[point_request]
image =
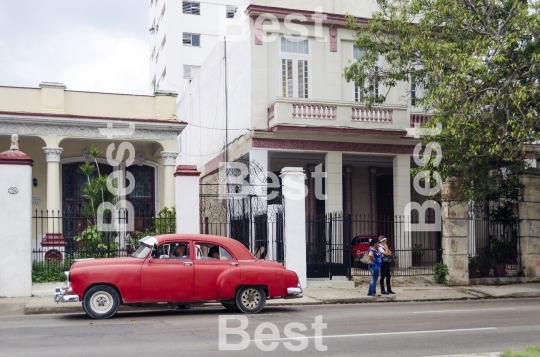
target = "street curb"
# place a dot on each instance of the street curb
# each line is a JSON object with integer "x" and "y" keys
{"x": 78, "y": 308}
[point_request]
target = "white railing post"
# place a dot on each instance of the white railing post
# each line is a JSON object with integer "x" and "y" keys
{"x": 294, "y": 193}
{"x": 187, "y": 199}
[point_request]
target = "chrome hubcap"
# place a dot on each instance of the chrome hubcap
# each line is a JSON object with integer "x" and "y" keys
{"x": 101, "y": 302}
{"x": 251, "y": 298}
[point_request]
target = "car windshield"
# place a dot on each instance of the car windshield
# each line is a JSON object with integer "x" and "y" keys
{"x": 142, "y": 252}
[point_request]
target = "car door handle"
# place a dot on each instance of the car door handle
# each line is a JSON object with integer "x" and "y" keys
{"x": 234, "y": 264}
{"x": 188, "y": 264}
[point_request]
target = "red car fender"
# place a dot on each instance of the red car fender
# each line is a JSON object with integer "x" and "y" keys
{"x": 125, "y": 278}
{"x": 227, "y": 282}
{"x": 264, "y": 277}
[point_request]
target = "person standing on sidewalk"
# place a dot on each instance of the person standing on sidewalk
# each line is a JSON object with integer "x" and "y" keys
{"x": 375, "y": 266}
{"x": 385, "y": 267}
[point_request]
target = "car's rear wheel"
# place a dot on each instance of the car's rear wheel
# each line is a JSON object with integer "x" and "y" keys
{"x": 250, "y": 299}
{"x": 230, "y": 306}
{"x": 101, "y": 302}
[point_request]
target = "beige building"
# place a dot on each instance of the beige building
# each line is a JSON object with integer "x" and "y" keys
{"x": 56, "y": 127}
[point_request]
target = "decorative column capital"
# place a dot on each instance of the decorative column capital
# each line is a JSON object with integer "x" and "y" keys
{"x": 53, "y": 154}
{"x": 169, "y": 158}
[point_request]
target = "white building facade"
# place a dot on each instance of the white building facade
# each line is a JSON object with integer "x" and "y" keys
{"x": 182, "y": 35}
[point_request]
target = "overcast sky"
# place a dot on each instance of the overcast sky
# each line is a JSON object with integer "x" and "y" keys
{"x": 92, "y": 45}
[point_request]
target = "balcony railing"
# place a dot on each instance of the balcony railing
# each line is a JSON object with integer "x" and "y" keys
{"x": 309, "y": 111}
{"x": 417, "y": 120}
{"x": 289, "y": 111}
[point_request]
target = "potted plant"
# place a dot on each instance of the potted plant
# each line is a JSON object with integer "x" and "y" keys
{"x": 417, "y": 253}
{"x": 474, "y": 264}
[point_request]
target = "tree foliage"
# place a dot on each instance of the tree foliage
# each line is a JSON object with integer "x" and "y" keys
{"x": 477, "y": 62}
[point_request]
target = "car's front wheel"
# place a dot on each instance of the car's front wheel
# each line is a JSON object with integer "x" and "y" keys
{"x": 250, "y": 299}
{"x": 101, "y": 302}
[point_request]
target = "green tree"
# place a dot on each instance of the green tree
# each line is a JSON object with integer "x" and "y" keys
{"x": 95, "y": 190}
{"x": 477, "y": 62}
{"x": 94, "y": 242}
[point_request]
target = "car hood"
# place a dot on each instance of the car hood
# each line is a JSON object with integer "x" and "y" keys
{"x": 106, "y": 261}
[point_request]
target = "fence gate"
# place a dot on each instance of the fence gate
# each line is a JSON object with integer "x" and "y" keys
{"x": 328, "y": 248}
{"x": 494, "y": 240}
{"x": 250, "y": 212}
{"x": 336, "y": 243}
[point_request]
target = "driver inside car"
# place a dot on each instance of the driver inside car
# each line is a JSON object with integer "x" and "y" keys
{"x": 181, "y": 251}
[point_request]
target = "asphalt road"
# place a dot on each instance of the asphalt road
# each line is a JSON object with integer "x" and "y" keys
{"x": 385, "y": 329}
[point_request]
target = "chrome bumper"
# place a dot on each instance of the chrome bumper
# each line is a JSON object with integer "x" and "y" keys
{"x": 294, "y": 293}
{"x": 59, "y": 297}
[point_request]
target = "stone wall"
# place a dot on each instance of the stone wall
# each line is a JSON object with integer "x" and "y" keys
{"x": 529, "y": 224}
{"x": 455, "y": 243}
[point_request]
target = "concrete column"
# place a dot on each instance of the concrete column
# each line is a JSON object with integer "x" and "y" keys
{"x": 334, "y": 181}
{"x": 455, "y": 241}
{"x": 53, "y": 179}
{"x": 529, "y": 225}
{"x": 187, "y": 199}
{"x": 16, "y": 222}
{"x": 402, "y": 196}
{"x": 169, "y": 165}
{"x": 402, "y": 184}
{"x": 294, "y": 191}
{"x": 53, "y": 237}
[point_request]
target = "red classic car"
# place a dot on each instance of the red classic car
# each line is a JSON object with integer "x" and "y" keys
{"x": 360, "y": 245}
{"x": 180, "y": 269}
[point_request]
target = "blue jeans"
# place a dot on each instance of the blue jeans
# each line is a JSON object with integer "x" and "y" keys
{"x": 375, "y": 276}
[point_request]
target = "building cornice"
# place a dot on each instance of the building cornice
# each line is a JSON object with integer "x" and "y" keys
{"x": 334, "y": 19}
{"x": 88, "y": 127}
{"x": 58, "y": 118}
{"x": 336, "y": 130}
{"x": 307, "y": 145}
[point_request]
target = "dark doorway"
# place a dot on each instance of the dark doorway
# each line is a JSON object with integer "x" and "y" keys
{"x": 385, "y": 205}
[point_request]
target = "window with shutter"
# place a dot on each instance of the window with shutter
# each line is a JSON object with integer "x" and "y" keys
{"x": 191, "y": 39}
{"x": 295, "y": 68}
{"x": 359, "y": 92}
{"x": 192, "y": 8}
{"x": 190, "y": 71}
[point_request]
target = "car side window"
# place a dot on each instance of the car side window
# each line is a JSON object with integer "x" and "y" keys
{"x": 176, "y": 250}
{"x": 208, "y": 251}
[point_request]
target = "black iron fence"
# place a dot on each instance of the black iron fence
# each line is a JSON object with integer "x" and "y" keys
{"x": 494, "y": 241}
{"x": 261, "y": 234}
{"x": 60, "y": 238}
{"x": 328, "y": 246}
{"x": 336, "y": 243}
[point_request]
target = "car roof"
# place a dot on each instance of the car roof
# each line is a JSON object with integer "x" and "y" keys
{"x": 365, "y": 237}
{"x": 237, "y": 248}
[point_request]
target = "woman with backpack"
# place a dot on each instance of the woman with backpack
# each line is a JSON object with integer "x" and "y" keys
{"x": 375, "y": 266}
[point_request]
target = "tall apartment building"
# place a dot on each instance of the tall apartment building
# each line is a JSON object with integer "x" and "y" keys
{"x": 182, "y": 35}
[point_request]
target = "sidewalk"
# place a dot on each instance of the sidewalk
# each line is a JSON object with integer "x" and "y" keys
{"x": 409, "y": 289}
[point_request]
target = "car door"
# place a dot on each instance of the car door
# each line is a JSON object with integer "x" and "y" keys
{"x": 208, "y": 269}
{"x": 166, "y": 279}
